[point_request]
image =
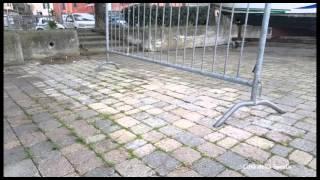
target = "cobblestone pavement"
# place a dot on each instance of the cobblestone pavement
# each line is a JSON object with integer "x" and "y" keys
{"x": 149, "y": 120}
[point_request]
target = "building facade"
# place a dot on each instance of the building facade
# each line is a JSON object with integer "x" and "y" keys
{"x": 8, "y": 9}
{"x": 17, "y": 9}
{"x": 23, "y": 8}
{"x": 43, "y": 9}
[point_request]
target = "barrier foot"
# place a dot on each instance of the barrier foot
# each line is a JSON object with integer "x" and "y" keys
{"x": 246, "y": 103}
{"x": 106, "y": 63}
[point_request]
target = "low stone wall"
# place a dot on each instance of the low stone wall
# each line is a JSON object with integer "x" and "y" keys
{"x": 43, "y": 44}
{"x": 172, "y": 39}
{"x": 39, "y": 44}
{"x": 12, "y": 54}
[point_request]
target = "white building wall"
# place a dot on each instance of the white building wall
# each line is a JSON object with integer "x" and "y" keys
{"x": 38, "y": 7}
{"x": 7, "y": 6}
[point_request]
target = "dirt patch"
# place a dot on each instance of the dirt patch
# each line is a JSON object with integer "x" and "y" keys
{"x": 62, "y": 59}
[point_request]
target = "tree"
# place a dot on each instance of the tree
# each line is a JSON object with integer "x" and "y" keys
{"x": 99, "y": 9}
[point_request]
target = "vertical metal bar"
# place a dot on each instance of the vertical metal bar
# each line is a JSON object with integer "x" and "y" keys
{"x": 229, "y": 38}
{"x": 138, "y": 27}
{"x": 107, "y": 32}
{"x": 119, "y": 26}
{"x": 217, "y": 34}
{"x": 185, "y": 36}
{"x": 133, "y": 22}
{"x": 128, "y": 45}
{"x": 115, "y": 35}
{"x": 262, "y": 44}
{"x": 155, "y": 30}
{"x": 205, "y": 37}
{"x": 163, "y": 13}
{"x": 110, "y": 26}
{"x": 150, "y": 17}
{"x": 170, "y": 21}
{"x": 243, "y": 38}
{"x": 177, "y": 34}
{"x": 144, "y": 21}
{"x": 123, "y": 27}
{"x": 194, "y": 35}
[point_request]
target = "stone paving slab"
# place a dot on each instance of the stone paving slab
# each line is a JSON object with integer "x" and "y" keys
{"x": 24, "y": 168}
{"x": 149, "y": 120}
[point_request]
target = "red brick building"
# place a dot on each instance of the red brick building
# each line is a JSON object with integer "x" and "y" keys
{"x": 118, "y": 6}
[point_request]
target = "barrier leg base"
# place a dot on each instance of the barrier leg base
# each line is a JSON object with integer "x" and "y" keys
{"x": 106, "y": 63}
{"x": 246, "y": 103}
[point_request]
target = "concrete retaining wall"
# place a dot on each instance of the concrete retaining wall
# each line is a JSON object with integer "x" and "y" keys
{"x": 12, "y": 49}
{"x": 40, "y": 44}
{"x": 43, "y": 44}
{"x": 152, "y": 41}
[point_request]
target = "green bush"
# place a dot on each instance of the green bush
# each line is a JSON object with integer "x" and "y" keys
{"x": 203, "y": 10}
{"x": 52, "y": 24}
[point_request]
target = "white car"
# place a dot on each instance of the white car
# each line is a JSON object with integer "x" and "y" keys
{"x": 43, "y": 24}
{"x": 80, "y": 21}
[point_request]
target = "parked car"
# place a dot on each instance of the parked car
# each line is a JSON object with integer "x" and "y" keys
{"x": 43, "y": 24}
{"x": 117, "y": 21}
{"x": 7, "y": 20}
{"x": 80, "y": 21}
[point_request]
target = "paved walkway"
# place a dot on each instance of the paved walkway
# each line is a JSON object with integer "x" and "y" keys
{"x": 148, "y": 120}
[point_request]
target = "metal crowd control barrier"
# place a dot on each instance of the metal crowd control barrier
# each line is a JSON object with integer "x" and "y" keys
{"x": 108, "y": 62}
{"x": 131, "y": 42}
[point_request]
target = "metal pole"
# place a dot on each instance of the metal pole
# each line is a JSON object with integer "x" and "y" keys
{"x": 123, "y": 30}
{"x": 107, "y": 42}
{"x": 119, "y": 28}
{"x": 107, "y": 30}
{"x": 138, "y": 27}
{"x": 205, "y": 37}
{"x": 155, "y": 31}
{"x": 170, "y": 21}
{"x": 217, "y": 34}
{"x": 235, "y": 107}
{"x": 194, "y": 35}
{"x": 149, "y": 28}
{"x": 229, "y": 39}
{"x": 262, "y": 44}
{"x": 144, "y": 21}
{"x": 163, "y": 14}
{"x": 133, "y": 23}
{"x": 185, "y": 36}
{"x": 115, "y": 32}
{"x": 128, "y": 50}
{"x": 257, "y": 73}
{"x": 177, "y": 35}
{"x": 243, "y": 38}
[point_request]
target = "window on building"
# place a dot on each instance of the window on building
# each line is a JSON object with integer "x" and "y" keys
{"x": 63, "y": 6}
{"x": 74, "y": 4}
{"x": 46, "y": 5}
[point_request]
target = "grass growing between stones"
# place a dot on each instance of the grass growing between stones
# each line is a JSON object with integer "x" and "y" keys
{"x": 139, "y": 136}
{"x": 29, "y": 153}
{"x": 55, "y": 146}
{"x": 106, "y": 116}
{"x": 131, "y": 154}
